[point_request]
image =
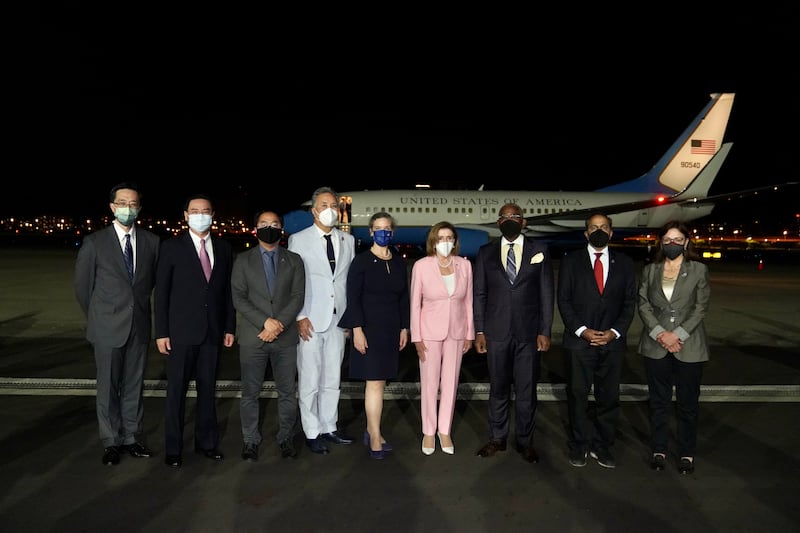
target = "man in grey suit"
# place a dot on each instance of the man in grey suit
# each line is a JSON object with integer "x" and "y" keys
{"x": 113, "y": 281}
{"x": 513, "y": 309}
{"x": 327, "y": 253}
{"x": 268, "y": 285}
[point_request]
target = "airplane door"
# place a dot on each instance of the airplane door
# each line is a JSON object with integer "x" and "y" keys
{"x": 486, "y": 213}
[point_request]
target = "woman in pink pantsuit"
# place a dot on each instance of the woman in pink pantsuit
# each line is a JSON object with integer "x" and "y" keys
{"x": 441, "y": 330}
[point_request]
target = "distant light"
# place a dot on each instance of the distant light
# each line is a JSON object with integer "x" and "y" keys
{"x": 422, "y": 186}
{"x": 661, "y": 199}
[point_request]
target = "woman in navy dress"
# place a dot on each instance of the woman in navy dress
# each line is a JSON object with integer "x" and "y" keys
{"x": 378, "y": 313}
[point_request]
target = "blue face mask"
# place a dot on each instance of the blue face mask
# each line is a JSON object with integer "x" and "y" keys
{"x": 382, "y": 237}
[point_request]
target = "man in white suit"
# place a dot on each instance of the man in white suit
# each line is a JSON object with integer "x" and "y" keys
{"x": 327, "y": 253}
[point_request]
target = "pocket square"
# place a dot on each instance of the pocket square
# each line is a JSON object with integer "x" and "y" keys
{"x": 538, "y": 258}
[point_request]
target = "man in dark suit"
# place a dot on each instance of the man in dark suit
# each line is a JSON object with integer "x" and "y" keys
{"x": 113, "y": 282}
{"x": 513, "y": 308}
{"x": 269, "y": 286}
{"x": 194, "y": 318}
{"x": 597, "y": 302}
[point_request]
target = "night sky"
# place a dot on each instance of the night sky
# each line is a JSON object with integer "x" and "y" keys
{"x": 243, "y": 105}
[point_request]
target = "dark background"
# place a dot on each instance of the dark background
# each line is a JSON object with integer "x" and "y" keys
{"x": 258, "y": 108}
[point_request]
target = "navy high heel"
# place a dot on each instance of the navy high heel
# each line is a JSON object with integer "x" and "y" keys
{"x": 385, "y": 446}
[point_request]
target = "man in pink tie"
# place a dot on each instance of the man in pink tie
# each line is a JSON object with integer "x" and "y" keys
{"x": 597, "y": 302}
{"x": 194, "y": 319}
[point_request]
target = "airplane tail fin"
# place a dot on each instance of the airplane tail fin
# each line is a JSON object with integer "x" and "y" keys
{"x": 679, "y": 167}
{"x": 700, "y": 186}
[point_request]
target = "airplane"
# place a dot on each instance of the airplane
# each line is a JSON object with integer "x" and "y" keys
{"x": 675, "y": 188}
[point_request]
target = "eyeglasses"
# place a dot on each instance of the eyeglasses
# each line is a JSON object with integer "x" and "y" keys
{"x": 510, "y": 217}
{"x": 677, "y": 240}
{"x": 446, "y": 239}
{"x": 132, "y": 205}
{"x": 273, "y": 225}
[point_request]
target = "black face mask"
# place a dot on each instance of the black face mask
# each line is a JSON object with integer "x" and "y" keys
{"x": 510, "y": 229}
{"x": 269, "y": 235}
{"x": 598, "y": 238}
{"x": 673, "y": 250}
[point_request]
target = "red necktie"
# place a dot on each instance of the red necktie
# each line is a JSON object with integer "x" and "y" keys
{"x": 598, "y": 271}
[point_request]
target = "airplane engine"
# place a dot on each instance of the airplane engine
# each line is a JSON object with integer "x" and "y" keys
{"x": 297, "y": 220}
{"x": 470, "y": 240}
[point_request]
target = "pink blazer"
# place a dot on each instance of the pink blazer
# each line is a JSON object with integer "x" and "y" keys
{"x": 435, "y": 315}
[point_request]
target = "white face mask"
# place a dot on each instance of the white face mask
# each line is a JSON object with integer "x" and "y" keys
{"x": 444, "y": 248}
{"x": 200, "y": 222}
{"x": 329, "y": 217}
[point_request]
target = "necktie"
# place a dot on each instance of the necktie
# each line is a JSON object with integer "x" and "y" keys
{"x": 128, "y": 255}
{"x": 331, "y": 256}
{"x": 511, "y": 263}
{"x": 204, "y": 259}
{"x": 598, "y": 271}
{"x": 269, "y": 269}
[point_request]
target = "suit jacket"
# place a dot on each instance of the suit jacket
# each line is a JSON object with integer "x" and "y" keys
{"x": 523, "y": 310}
{"x": 189, "y": 308}
{"x": 688, "y": 306}
{"x": 435, "y": 315}
{"x": 324, "y": 291}
{"x": 581, "y": 304}
{"x": 255, "y": 302}
{"x": 112, "y": 304}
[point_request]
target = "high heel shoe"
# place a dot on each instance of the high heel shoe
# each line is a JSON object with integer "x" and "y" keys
{"x": 425, "y": 449}
{"x": 449, "y": 450}
{"x": 658, "y": 461}
{"x": 385, "y": 446}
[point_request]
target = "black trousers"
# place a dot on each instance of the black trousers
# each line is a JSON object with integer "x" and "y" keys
{"x": 518, "y": 363}
{"x": 184, "y": 363}
{"x": 662, "y": 375}
{"x": 593, "y": 426}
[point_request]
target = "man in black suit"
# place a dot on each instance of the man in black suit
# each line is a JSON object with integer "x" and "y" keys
{"x": 113, "y": 282}
{"x": 269, "y": 287}
{"x": 194, "y": 317}
{"x": 597, "y": 302}
{"x": 513, "y": 307}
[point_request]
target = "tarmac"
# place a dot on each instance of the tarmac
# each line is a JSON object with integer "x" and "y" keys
{"x": 747, "y": 468}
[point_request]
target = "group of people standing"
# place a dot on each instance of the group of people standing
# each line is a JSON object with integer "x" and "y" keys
{"x": 296, "y": 307}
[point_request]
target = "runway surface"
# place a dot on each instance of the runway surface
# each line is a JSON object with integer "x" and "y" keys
{"x": 747, "y": 473}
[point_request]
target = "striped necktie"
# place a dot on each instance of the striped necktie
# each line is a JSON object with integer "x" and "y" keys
{"x": 511, "y": 263}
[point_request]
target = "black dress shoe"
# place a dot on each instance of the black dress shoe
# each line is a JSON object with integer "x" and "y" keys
{"x": 287, "y": 449}
{"x": 137, "y": 450}
{"x": 529, "y": 454}
{"x": 685, "y": 465}
{"x": 491, "y": 448}
{"x": 213, "y": 453}
{"x": 250, "y": 452}
{"x": 317, "y": 446}
{"x": 337, "y": 437}
{"x": 658, "y": 462}
{"x": 173, "y": 461}
{"x": 111, "y": 456}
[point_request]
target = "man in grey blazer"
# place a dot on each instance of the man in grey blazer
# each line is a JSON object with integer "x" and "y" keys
{"x": 268, "y": 285}
{"x": 113, "y": 283}
{"x": 321, "y": 349}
